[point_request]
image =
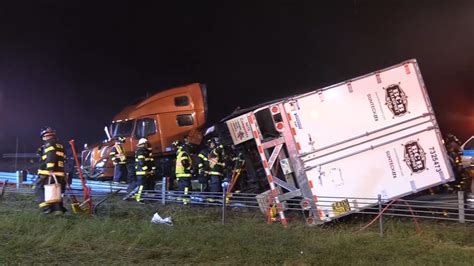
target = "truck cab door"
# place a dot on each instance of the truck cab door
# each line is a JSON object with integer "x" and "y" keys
{"x": 147, "y": 127}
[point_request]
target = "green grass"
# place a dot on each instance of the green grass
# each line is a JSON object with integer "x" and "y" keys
{"x": 122, "y": 234}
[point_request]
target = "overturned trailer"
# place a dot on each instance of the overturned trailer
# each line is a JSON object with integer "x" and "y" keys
{"x": 337, "y": 149}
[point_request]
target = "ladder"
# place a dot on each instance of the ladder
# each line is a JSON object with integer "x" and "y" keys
{"x": 284, "y": 149}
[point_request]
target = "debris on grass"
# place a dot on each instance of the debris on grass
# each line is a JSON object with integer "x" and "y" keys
{"x": 157, "y": 219}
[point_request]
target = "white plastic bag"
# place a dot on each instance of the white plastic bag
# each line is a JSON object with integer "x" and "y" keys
{"x": 156, "y": 219}
{"x": 52, "y": 192}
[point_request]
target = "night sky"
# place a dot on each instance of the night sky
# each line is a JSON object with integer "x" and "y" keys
{"x": 74, "y": 64}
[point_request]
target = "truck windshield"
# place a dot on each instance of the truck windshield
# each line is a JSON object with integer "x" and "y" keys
{"x": 122, "y": 129}
{"x": 469, "y": 145}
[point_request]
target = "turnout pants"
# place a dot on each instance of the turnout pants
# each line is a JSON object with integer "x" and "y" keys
{"x": 184, "y": 182}
{"x": 203, "y": 182}
{"x": 120, "y": 172}
{"x": 130, "y": 176}
{"x": 144, "y": 182}
{"x": 215, "y": 183}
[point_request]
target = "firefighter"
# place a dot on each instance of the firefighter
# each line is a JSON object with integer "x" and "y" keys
{"x": 183, "y": 168}
{"x": 452, "y": 142}
{"x": 203, "y": 169}
{"x": 462, "y": 179}
{"x": 216, "y": 164}
{"x": 453, "y": 147}
{"x": 52, "y": 163}
{"x": 144, "y": 167}
{"x": 85, "y": 154}
{"x": 69, "y": 167}
{"x": 117, "y": 155}
{"x": 238, "y": 162}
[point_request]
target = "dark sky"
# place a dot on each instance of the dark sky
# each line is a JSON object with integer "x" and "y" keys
{"x": 74, "y": 64}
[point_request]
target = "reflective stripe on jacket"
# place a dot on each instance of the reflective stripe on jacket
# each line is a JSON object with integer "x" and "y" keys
{"x": 117, "y": 154}
{"x": 52, "y": 158}
{"x": 144, "y": 162}
{"x": 183, "y": 164}
{"x": 216, "y": 162}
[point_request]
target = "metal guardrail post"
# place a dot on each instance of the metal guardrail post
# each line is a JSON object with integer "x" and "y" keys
{"x": 18, "y": 178}
{"x": 381, "y": 215}
{"x": 461, "y": 212}
{"x": 2, "y": 191}
{"x": 16, "y": 155}
{"x": 163, "y": 190}
{"x": 224, "y": 203}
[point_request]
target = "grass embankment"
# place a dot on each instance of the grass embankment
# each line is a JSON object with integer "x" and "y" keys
{"x": 122, "y": 234}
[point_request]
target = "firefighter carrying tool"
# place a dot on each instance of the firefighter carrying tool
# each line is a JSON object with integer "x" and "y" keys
{"x": 52, "y": 164}
{"x": 203, "y": 169}
{"x": 239, "y": 165}
{"x": 216, "y": 164}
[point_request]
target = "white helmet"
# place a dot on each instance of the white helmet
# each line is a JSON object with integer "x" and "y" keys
{"x": 142, "y": 141}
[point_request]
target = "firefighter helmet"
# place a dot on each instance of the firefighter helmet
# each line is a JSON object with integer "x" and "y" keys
{"x": 214, "y": 141}
{"x": 47, "y": 131}
{"x": 142, "y": 141}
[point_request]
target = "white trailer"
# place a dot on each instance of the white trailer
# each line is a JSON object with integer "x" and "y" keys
{"x": 340, "y": 148}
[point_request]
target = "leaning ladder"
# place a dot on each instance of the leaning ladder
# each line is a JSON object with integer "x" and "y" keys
{"x": 267, "y": 167}
{"x": 296, "y": 185}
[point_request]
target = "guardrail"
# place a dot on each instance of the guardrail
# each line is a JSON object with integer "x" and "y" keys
{"x": 20, "y": 155}
{"x": 444, "y": 207}
{"x": 457, "y": 207}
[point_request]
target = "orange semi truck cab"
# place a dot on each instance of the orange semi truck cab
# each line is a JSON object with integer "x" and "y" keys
{"x": 161, "y": 118}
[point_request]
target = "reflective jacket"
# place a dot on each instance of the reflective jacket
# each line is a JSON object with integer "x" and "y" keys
{"x": 117, "y": 154}
{"x": 52, "y": 158}
{"x": 216, "y": 161}
{"x": 203, "y": 165}
{"x": 144, "y": 162}
{"x": 183, "y": 164}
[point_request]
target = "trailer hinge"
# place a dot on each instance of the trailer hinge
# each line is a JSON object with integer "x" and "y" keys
{"x": 349, "y": 87}
{"x": 377, "y": 76}
{"x": 321, "y": 96}
{"x": 407, "y": 69}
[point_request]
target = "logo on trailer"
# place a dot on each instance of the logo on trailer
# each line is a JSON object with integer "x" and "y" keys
{"x": 396, "y": 100}
{"x": 415, "y": 157}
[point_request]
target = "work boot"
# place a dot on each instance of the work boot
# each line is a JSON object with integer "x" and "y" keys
{"x": 129, "y": 196}
{"x": 185, "y": 201}
{"x": 58, "y": 213}
{"x": 211, "y": 200}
